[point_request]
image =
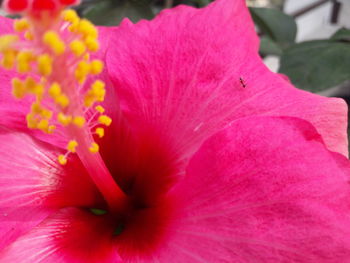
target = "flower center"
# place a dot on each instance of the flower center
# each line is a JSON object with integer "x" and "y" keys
{"x": 51, "y": 52}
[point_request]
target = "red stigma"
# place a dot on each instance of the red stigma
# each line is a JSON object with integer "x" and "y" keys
{"x": 69, "y": 2}
{"x": 40, "y": 5}
{"x": 16, "y": 5}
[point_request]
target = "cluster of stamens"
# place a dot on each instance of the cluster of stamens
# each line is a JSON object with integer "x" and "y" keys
{"x": 51, "y": 52}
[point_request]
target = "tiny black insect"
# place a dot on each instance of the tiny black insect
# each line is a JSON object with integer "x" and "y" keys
{"x": 241, "y": 80}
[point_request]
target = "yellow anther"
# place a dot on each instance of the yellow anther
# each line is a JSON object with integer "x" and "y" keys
{"x": 31, "y": 121}
{"x": 70, "y": 16}
{"x": 64, "y": 119}
{"x": 28, "y": 35}
{"x": 43, "y": 125}
{"x": 53, "y": 40}
{"x": 100, "y": 132}
{"x": 62, "y": 159}
{"x": 79, "y": 121}
{"x": 78, "y": 47}
{"x": 74, "y": 26}
{"x": 87, "y": 29}
{"x": 51, "y": 129}
{"x": 36, "y": 108}
{"x": 92, "y": 44}
{"x": 38, "y": 91}
{"x": 72, "y": 145}
{"x": 44, "y": 64}
{"x": 82, "y": 71}
{"x": 98, "y": 90}
{"x": 55, "y": 90}
{"x": 47, "y": 114}
{"x": 88, "y": 101}
{"x": 18, "y": 88}
{"x": 8, "y": 59}
{"x": 86, "y": 57}
{"x": 94, "y": 148}
{"x": 105, "y": 120}
{"x": 25, "y": 56}
{"x": 100, "y": 109}
{"x": 21, "y": 25}
{"x": 30, "y": 84}
{"x": 62, "y": 100}
{"x": 96, "y": 67}
{"x": 23, "y": 61}
{"x": 6, "y": 42}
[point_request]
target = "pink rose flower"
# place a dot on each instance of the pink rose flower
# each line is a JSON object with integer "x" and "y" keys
{"x": 210, "y": 156}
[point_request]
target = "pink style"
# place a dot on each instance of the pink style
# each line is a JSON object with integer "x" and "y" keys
{"x": 193, "y": 168}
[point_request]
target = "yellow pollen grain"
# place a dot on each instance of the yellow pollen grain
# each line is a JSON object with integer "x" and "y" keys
{"x": 77, "y": 47}
{"x": 98, "y": 90}
{"x": 36, "y": 108}
{"x": 9, "y": 59}
{"x": 92, "y": 44}
{"x": 87, "y": 29}
{"x": 72, "y": 145}
{"x": 47, "y": 114}
{"x": 79, "y": 121}
{"x": 62, "y": 159}
{"x": 105, "y": 120}
{"x": 96, "y": 67}
{"x": 100, "y": 132}
{"x": 21, "y": 25}
{"x": 18, "y": 88}
{"x": 30, "y": 84}
{"x": 28, "y": 35}
{"x": 70, "y": 16}
{"x": 82, "y": 71}
{"x": 24, "y": 59}
{"x": 55, "y": 90}
{"x": 88, "y": 101}
{"x": 62, "y": 100}
{"x": 64, "y": 119}
{"x": 7, "y": 41}
{"x": 53, "y": 40}
{"x": 43, "y": 125}
{"x": 100, "y": 109}
{"x": 51, "y": 129}
{"x": 45, "y": 64}
{"x": 31, "y": 121}
{"x": 94, "y": 148}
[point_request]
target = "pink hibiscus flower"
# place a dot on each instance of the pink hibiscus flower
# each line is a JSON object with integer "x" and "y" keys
{"x": 195, "y": 167}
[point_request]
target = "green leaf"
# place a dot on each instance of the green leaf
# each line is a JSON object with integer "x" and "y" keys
{"x": 342, "y": 34}
{"x": 317, "y": 65}
{"x": 269, "y": 47}
{"x": 113, "y": 12}
{"x": 280, "y": 27}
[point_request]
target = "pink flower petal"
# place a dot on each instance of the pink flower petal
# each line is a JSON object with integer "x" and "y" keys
{"x": 180, "y": 76}
{"x": 71, "y": 235}
{"x": 33, "y": 184}
{"x": 263, "y": 190}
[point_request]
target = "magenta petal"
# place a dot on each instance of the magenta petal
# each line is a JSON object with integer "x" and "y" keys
{"x": 33, "y": 184}
{"x": 71, "y": 235}
{"x": 263, "y": 190}
{"x": 180, "y": 74}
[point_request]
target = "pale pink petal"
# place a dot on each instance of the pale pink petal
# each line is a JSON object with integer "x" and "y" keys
{"x": 71, "y": 235}
{"x": 33, "y": 184}
{"x": 180, "y": 76}
{"x": 263, "y": 190}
